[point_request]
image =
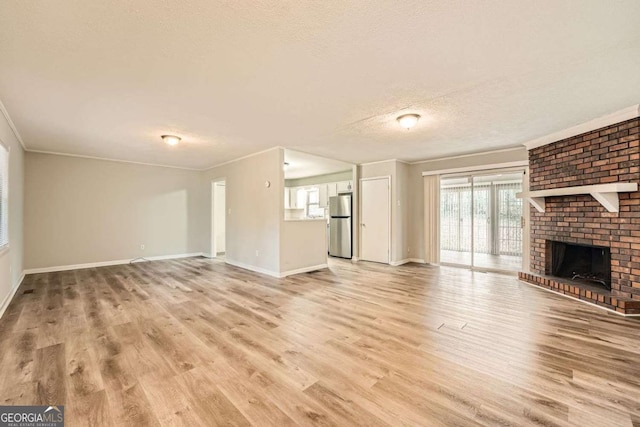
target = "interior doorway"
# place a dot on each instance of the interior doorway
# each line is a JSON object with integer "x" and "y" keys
{"x": 218, "y": 218}
{"x": 375, "y": 219}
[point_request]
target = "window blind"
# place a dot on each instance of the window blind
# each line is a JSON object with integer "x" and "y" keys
{"x": 4, "y": 196}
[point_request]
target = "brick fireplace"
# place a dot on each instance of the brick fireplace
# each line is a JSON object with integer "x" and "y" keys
{"x": 607, "y": 155}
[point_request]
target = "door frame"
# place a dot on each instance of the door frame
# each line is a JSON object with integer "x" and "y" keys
{"x": 213, "y": 245}
{"x": 525, "y": 214}
{"x": 360, "y": 246}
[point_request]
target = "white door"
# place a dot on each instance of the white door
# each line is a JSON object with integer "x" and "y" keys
{"x": 218, "y": 219}
{"x": 375, "y": 220}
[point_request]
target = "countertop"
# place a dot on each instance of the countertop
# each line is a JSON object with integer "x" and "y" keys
{"x": 306, "y": 220}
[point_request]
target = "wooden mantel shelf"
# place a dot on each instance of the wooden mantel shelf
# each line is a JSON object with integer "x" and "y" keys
{"x": 606, "y": 194}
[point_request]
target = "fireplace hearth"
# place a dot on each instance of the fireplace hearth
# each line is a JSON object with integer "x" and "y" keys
{"x": 582, "y": 263}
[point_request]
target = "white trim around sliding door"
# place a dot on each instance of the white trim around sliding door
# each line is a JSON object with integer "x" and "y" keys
{"x": 472, "y": 170}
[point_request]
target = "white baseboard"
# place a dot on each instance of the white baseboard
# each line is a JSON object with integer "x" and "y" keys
{"x": 590, "y": 304}
{"x": 252, "y": 268}
{"x": 406, "y": 261}
{"x": 9, "y": 297}
{"x": 303, "y": 270}
{"x": 106, "y": 263}
{"x": 274, "y": 273}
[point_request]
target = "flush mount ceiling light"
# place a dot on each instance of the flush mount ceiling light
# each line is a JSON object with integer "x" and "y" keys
{"x": 408, "y": 121}
{"x": 171, "y": 139}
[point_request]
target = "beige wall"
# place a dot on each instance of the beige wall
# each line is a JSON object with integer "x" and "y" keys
{"x": 415, "y": 186}
{"x": 80, "y": 210}
{"x": 254, "y": 211}
{"x": 303, "y": 245}
{"x": 11, "y": 259}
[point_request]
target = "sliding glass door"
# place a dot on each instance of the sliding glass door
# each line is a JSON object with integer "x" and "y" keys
{"x": 455, "y": 221}
{"x": 481, "y": 221}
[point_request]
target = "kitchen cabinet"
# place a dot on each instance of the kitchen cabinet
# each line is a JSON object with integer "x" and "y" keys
{"x": 294, "y": 198}
{"x": 301, "y": 198}
{"x": 323, "y": 192}
{"x": 332, "y": 189}
{"x": 287, "y": 197}
{"x": 344, "y": 187}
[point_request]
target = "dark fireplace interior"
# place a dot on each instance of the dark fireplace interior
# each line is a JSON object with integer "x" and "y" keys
{"x": 588, "y": 264}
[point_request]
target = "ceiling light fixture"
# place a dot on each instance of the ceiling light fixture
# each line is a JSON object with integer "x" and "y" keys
{"x": 171, "y": 139}
{"x": 408, "y": 121}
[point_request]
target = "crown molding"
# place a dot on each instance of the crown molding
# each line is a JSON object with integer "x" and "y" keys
{"x": 607, "y": 120}
{"x": 5, "y": 113}
{"x": 384, "y": 161}
{"x": 460, "y": 156}
{"x": 106, "y": 159}
{"x": 243, "y": 157}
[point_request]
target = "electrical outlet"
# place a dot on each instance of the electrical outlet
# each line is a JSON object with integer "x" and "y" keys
{"x": 142, "y": 247}
{"x": 408, "y": 250}
{"x": 257, "y": 253}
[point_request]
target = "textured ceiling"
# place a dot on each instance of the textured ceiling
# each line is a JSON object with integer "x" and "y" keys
{"x": 329, "y": 77}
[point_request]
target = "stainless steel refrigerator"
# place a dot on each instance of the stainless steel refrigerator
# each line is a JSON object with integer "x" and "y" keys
{"x": 340, "y": 226}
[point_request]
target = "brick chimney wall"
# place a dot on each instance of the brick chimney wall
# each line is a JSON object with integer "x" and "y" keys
{"x": 606, "y": 155}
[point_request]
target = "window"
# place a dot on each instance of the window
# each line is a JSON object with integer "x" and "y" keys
{"x": 4, "y": 196}
{"x": 313, "y": 204}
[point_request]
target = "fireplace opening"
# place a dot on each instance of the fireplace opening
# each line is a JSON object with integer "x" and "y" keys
{"x": 588, "y": 264}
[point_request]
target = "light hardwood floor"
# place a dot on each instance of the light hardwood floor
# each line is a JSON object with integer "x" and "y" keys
{"x": 198, "y": 342}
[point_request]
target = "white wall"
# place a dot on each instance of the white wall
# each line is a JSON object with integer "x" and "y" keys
{"x": 254, "y": 211}
{"x": 219, "y": 216}
{"x": 80, "y": 210}
{"x": 415, "y": 214}
{"x": 11, "y": 259}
